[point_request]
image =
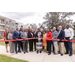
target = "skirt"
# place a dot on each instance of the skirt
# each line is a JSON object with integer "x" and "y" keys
{"x": 6, "y": 42}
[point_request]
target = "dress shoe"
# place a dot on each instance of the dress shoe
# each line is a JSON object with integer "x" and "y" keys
{"x": 11, "y": 52}
{"x": 19, "y": 51}
{"x": 40, "y": 51}
{"x": 70, "y": 54}
{"x": 24, "y": 52}
{"x": 49, "y": 53}
{"x": 37, "y": 52}
{"x": 27, "y": 51}
{"x": 55, "y": 53}
{"x": 66, "y": 53}
{"x": 61, "y": 54}
{"x": 16, "y": 52}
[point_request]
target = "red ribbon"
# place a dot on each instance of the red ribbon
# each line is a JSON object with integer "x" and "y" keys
{"x": 34, "y": 38}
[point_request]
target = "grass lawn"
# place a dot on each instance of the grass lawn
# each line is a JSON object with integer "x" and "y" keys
{"x": 4, "y": 58}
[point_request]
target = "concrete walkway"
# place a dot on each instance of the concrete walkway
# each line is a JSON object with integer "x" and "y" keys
{"x": 34, "y": 57}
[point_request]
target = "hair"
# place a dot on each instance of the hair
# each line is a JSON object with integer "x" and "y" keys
{"x": 30, "y": 30}
{"x": 44, "y": 31}
{"x": 20, "y": 29}
{"x": 54, "y": 27}
{"x": 60, "y": 26}
{"x": 27, "y": 29}
{"x": 38, "y": 29}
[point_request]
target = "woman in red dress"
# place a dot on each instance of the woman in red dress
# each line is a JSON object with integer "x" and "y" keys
{"x": 49, "y": 36}
{"x": 5, "y": 35}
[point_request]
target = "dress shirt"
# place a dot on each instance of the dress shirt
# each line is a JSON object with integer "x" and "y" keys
{"x": 25, "y": 34}
{"x": 55, "y": 34}
{"x": 69, "y": 33}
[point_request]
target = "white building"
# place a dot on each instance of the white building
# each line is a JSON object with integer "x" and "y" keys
{"x": 8, "y": 23}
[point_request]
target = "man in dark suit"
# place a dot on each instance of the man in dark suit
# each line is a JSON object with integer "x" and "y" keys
{"x": 60, "y": 37}
{"x": 34, "y": 36}
{"x": 16, "y": 36}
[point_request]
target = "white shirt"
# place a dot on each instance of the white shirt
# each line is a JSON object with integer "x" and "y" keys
{"x": 69, "y": 33}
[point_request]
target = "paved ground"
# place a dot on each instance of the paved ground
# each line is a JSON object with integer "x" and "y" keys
{"x": 43, "y": 57}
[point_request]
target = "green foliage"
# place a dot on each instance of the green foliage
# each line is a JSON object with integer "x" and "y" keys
{"x": 58, "y": 18}
{"x": 2, "y": 43}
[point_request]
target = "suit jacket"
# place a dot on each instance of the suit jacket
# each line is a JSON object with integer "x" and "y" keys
{"x": 61, "y": 35}
{"x": 30, "y": 35}
{"x": 16, "y": 35}
{"x": 22, "y": 36}
{"x": 34, "y": 34}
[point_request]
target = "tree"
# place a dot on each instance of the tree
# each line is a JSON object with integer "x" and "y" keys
{"x": 74, "y": 26}
{"x": 58, "y": 18}
{"x": 41, "y": 26}
{"x": 32, "y": 26}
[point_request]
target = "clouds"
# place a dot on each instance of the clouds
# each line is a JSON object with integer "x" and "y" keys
{"x": 25, "y": 17}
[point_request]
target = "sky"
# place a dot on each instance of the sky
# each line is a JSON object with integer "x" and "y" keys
{"x": 27, "y": 17}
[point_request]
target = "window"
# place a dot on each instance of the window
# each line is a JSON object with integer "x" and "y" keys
{"x": 9, "y": 22}
{"x": 1, "y": 27}
{"x": 13, "y": 24}
{"x": 6, "y": 22}
{"x": 16, "y": 24}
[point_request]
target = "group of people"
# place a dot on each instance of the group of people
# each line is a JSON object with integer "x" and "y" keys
{"x": 45, "y": 36}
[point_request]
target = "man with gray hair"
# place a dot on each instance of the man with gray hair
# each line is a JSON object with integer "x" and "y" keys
{"x": 24, "y": 42}
{"x": 60, "y": 37}
{"x": 55, "y": 43}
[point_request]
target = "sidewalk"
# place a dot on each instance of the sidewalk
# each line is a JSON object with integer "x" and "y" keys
{"x": 34, "y": 57}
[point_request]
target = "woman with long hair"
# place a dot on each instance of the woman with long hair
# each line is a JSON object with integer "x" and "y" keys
{"x": 30, "y": 35}
{"x": 11, "y": 43}
{"x": 44, "y": 41}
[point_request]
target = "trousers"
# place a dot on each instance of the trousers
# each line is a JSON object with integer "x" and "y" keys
{"x": 35, "y": 44}
{"x": 17, "y": 43}
{"x": 61, "y": 47}
{"x": 49, "y": 46}
{"x": 55, "y": 44}
{"x": 68, "y": 46}
{"x": 12, "y": 46}
{"x": 24, "y": 46}
{"x": 30, "y": 45}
